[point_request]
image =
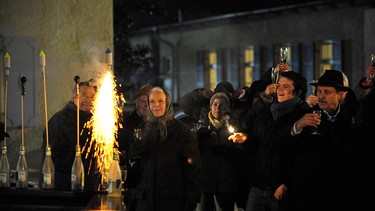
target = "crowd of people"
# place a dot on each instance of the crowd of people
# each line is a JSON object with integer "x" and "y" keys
{"x": 264, "y": 147}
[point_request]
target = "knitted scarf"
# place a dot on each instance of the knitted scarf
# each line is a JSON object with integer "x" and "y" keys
{"x": 217, "y": 123}
{"x": 280, "y": 109}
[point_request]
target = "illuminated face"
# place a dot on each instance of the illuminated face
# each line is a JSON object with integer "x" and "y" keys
{"x": 285, "y": 91}
{"x": 158, "y": 102}
{"x": 328, "y": 98}
{"x": 141, "y": 105}
{"x": 219, "y": 108}
{"x": 86, "y": 97}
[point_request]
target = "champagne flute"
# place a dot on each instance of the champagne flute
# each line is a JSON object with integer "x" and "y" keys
{"x": 284, "y": 54}
{"x": 319, "y": 113}
{"x": 275, "y": 75}
{"x": 313, "y": 87}
{"x": 137, "y": 134}
{"x": 124, "y": 174}
{"x": 373, "y": 64}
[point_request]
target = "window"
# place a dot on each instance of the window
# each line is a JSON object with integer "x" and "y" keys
{"x": 212, "y": 60}
{"x": 328, "y": 56}
{"x": 249, "y": 65}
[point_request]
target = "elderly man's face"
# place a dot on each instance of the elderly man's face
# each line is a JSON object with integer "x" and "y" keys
{"x": 86, "y": 97}
{"x": 141, "y": 105}
{"x": 328, "y": 98}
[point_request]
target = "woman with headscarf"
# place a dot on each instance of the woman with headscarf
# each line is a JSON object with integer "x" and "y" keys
{"x": 220, "y": 157}
{"x": 170, "y": 163}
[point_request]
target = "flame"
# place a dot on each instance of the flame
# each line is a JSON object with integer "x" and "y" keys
{"x": 231, "y": 129}
{"x": 104, "y": 123}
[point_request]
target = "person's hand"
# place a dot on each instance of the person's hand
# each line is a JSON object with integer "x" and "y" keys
{"x": 370, "y": 73}
{"x": 312, "y": 100}
{"x": 308, "y": 119}
{"x": 283, "y": 67}
{"x": 280, "y": 192}
{"x": 238, "y": 137}
{"x": 239, "y": 93}
{"x": 270, "y": 89}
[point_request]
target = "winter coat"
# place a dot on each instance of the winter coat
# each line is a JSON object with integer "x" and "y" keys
{"x": 171, "y": 170}
{"x": 63, "y": 142}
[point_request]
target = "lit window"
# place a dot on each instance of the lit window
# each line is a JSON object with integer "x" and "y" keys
{"x": 326, "y": 56}
{"x": 213, "y": 70}
{"x": 249, "y": 64}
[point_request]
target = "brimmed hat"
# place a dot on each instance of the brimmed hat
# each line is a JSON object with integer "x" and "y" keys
{"x": 333, "y": 78}
{"x": 144, "y": 90}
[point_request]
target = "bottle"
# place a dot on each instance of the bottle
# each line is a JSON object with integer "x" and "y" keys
{"x": 78, "y": 172}
{"x": 21, "y": 169}
{"x": 4, "y": 169}
{"x": 48, "y": 171}
{"x": 114, "y": 176}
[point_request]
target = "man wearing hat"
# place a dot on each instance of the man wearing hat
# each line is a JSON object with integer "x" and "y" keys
{"x": 321, "y": 180}
{"x": 136, "y": 119}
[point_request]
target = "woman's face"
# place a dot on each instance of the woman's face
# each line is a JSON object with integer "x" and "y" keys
{"x": 158, "y": 102}
{"x": 219, "y": 108}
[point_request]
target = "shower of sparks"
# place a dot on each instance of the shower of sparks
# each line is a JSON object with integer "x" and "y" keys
{"x": 104, "y": 123}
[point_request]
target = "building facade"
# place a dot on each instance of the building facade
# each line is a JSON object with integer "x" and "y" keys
{"x": 240, "y": 47}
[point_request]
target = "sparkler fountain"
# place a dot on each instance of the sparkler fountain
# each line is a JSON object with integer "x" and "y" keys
{"x": 22, "y": 170}
{"x": 78, "y": 172}
{"x": 48, "y": 169}
{"x": 4, "y": 163}
{"x": 104, "y": 123}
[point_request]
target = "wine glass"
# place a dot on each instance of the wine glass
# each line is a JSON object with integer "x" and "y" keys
{"x": 124, "y": 174}
{"x": 275, "y": 75}
{"x": 284, "y": 54}
{"x": 313, "y": 87}
{"x": 373, "y": 64}
{"x": 319, "y": 113}
{"x": 137, "y": 134}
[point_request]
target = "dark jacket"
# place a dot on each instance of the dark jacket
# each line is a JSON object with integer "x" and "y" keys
{"x": 125, "y": 138}
{"x": 125, "y": 135}
{"x": 322, "y": 173}
{"x": 272, "y": 143}
{"x": 171, "y": 170}
{"x": 220, "y": 159}
{"x": 63, "y": 141}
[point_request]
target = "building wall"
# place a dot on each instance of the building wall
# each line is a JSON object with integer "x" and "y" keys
{"x": 352, "y": 25}
{"x": 74, "y": 35}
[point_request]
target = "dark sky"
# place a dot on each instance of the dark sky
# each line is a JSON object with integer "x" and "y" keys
{"x": 160, "y": 12}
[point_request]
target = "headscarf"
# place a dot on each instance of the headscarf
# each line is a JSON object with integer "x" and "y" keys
{"x": 157, "y": 126}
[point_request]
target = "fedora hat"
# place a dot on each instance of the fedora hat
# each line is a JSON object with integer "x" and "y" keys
{"x": 332, "y": 78}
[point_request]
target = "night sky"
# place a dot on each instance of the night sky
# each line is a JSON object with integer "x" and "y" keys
{"x": 160, "y": 12}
